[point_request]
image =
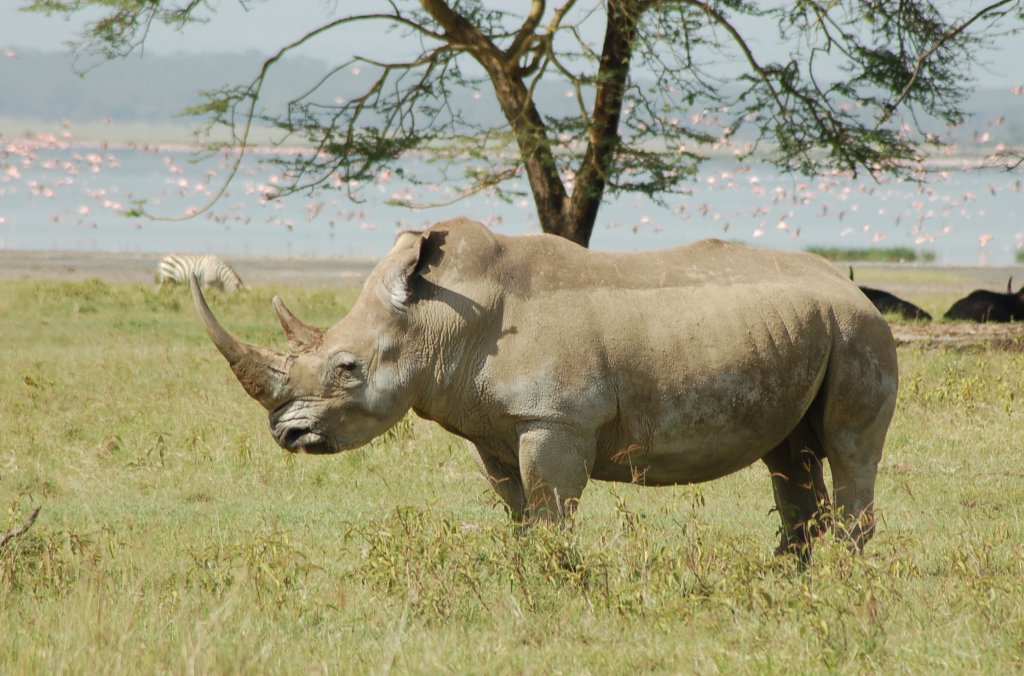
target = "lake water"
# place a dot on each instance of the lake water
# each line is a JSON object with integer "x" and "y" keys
{"x": 56, "y": 196}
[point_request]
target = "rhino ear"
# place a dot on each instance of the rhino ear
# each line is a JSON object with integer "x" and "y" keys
{"x": 404, "y": 260}
{"x": 405, "y": 239}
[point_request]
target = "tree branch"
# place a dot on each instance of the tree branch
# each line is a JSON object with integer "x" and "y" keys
{"x": 251, "y": 95}
{"x": 525, "y": 35}
{"x": 461, "y": 31}
{"x": 922, "y": 59}
{"x": 748, "y": 53}
{"x": 10, "y": 535}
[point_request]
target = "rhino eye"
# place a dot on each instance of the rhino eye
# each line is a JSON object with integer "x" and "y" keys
{"x": 346, "y": 365}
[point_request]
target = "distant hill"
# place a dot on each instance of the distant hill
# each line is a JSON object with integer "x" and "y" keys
{"x": 154, "y": 90}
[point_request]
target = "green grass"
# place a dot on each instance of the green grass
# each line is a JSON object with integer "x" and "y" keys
{"x": 175, "y": 536}
{"x": 913, "y": 276}
{"x": 900, "y": 254}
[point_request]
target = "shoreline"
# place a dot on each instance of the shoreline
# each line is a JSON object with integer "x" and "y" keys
{"x": 258, "y": 270}
{"x": 140, "y": 268}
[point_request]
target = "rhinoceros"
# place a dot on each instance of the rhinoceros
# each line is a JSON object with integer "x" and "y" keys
{"x": 560, "y": 364}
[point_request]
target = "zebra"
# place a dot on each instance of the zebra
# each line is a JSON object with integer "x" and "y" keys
{"x": 211, "y": 271}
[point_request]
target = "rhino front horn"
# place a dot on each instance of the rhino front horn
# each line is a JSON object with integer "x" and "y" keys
{"x": 263, "y": 373}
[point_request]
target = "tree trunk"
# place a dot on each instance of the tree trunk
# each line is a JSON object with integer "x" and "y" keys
{"x": 571, "y": 217}
{"x": 613, "y": 73}
{"x": 549, "y": 192}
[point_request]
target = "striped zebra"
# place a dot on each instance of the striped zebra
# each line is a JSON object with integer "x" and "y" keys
{"x": 211, "y": 271}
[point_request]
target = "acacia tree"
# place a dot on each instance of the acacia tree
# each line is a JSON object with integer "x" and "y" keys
{"x": 854, "y": 88}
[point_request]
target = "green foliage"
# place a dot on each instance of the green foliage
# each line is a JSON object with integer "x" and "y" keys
{"x": 175, "y": 535}
{"x": 899, "y": 254}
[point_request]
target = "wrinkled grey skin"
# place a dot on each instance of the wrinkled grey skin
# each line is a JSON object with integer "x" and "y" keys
{"x": 560, "y": 364}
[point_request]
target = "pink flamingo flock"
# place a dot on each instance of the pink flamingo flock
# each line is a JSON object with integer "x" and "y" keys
{"x": 731, "y": 199}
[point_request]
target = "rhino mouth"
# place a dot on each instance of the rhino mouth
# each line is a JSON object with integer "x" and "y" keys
{"x": 317, "y": 448}
{"x": 301, "y": 439}
{"x": 296, "y": 432}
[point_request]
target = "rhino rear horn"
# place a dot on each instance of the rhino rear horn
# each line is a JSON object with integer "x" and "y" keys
{"x": 263, "y": 373}
{"x": 301, "y": 336}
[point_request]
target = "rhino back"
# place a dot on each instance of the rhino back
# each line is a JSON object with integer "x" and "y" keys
{"x": 464, "y": 252}
{"x": 543, "y": 263}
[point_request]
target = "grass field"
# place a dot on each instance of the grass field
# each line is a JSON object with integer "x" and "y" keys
{"x": 174, "y": 536}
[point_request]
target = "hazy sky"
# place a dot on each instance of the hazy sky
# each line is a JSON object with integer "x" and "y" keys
{"x": 269, "y": 25}
{"x": 266, "y": 27}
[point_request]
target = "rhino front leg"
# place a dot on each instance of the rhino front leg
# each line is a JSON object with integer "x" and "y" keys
{"x": 555, "y": 464}
{"x": 504, "y": 479}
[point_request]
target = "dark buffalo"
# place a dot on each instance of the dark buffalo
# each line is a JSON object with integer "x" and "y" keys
{"x": 888, "y": 304}
{"x": 990, "y": 306}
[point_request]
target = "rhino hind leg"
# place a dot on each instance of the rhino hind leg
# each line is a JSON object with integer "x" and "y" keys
{"x": 801, "y": 495}
{"x": 853, "y": 482}
{"x": 853, "y": 423}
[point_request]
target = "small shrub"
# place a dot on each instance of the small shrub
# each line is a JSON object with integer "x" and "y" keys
{"x": 269, "y": 565}
{"x": 899, "y": 254}
{"x": 43, "y": 563}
